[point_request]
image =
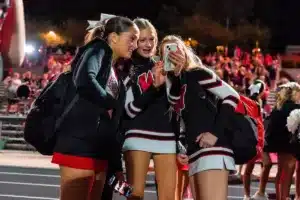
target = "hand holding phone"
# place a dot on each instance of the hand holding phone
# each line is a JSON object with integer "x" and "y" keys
{"x": 168, "y": 65}
{"x": 177, "y": 58}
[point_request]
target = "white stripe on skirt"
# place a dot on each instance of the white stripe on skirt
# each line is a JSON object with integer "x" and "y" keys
{"x": 141, "y": 143}
{"x": 211, "y": 158}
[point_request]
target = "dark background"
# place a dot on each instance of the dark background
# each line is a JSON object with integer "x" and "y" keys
{"x": 280, "y": 16}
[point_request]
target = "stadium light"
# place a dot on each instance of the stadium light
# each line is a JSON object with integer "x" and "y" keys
{"x": 29, "y": 49}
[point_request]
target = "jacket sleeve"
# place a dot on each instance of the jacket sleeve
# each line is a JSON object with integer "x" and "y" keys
{"x": 86, "y": 83}
{"x": 173, "y": 88}
{"x": 181, "y": 140}
{"x": 228, "y": 96}
{"x": 137, "y": 101}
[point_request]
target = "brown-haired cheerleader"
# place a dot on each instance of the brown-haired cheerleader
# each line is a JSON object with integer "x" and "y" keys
{"x": 86, "y": 138}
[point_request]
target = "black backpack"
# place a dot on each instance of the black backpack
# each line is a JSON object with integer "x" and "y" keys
{"x": 51, "y": 107}
{"x": 241, "y": 133}
{"x": 47, "y": 113}
{"x": 243, "y": 138}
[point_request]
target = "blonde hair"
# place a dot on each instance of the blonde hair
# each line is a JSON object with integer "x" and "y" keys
{"x": 285, "y": 94}
{"x": 142, "y": 24}
{"x": 192, "y": 60}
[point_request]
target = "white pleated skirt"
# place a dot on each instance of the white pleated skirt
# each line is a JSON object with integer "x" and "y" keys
{"x": 148, "y": 141}
{"x": 211, "y": 158}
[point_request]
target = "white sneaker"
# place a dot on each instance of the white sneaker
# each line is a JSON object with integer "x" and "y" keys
{"x": 257, "y": 196}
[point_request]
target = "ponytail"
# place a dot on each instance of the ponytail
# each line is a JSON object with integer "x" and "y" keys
{"x": 97, "y": 32}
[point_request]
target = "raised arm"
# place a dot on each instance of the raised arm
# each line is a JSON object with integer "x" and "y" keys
{"x": 138, "y": 99}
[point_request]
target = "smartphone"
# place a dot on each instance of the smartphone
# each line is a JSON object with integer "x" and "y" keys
{"x": 168, "y": 65}
{"x": 120, "y": 187}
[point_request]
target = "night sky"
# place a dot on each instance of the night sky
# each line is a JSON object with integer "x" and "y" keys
{"x": 281, "y": 16}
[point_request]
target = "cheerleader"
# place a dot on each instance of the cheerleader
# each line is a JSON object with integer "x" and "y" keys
{"x": 86, "y": 139}
{"x": 210, "y": 157}
{"x": 148, "y": 130}
{"x": 293, "y": 125}
{"x": 278, "y": 137}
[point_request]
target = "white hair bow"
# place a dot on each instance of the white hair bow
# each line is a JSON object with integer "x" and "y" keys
{"x": 92, "y": 24}
{"x": 103, "y": 19}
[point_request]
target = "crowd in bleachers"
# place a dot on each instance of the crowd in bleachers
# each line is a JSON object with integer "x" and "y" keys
{"x": 34, "y": 82}
{"x": 239, "y": 70}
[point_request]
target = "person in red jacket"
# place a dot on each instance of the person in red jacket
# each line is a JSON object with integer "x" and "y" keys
{"x": 12, "y": 34}
{"x": 256, "y": 91}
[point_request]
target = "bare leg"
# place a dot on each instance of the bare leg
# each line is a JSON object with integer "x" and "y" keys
{"x": 137, "y": 164}
{"x": 165, "y": 176}
{"x": 247, "y": 178}
{"x": 211, "y": 185}
{"x": 76, "y": 184}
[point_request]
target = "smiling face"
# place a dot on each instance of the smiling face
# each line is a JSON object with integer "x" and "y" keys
{"x": 126, "y": 42}
{"x": 147, "y": 43}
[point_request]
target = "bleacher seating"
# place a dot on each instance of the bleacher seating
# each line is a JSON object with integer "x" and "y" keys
{"x": 11, "y": 131}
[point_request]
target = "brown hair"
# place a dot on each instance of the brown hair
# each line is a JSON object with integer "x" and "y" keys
{"x": 94, "y": 33}
{"x": 113, "y": 25}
